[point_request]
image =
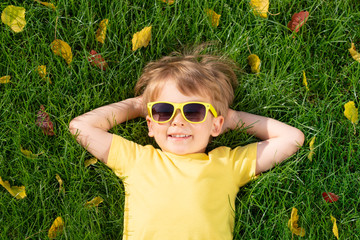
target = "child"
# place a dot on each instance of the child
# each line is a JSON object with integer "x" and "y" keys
{"x": 179, "y": 191}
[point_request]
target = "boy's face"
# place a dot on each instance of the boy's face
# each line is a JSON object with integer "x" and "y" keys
{"x": 179, "y": 136}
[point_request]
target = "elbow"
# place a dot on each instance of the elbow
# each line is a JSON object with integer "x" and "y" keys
{"x": 74, "y": 127}
{"x": 300, "y": 138}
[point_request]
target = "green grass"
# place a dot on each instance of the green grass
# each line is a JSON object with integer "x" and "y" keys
{"x": 263, "y": 206}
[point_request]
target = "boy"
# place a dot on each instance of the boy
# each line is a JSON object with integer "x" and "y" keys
{"x": 179, "y": 191}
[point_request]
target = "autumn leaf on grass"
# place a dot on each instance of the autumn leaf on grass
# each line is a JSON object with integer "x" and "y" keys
{"x": 297, "y": 20}
{"x": 94, "y": 202}
{"x": 97, "y": 60}
{"x": 214, "y": 17}
{"x": 42, "y": 73}
{"x": 141, "y": 39}
{"x": 354, "y": 53}
{"x": 44, "y": 122}
{"x": 60, "y": 181}
{"x": 260, "y": 7}
{"x": 5, "y": 79}
{"x": 351, "y": 112}
{"x": 305, "y": 81}
{"x": 50, "y": 5}
{"x": 335, "y": 228}
{"x": 293, "y": 224}
{"x": 14, "y": 17}
{"x": 29, "y": 154}
{"x": 311, "y": 146}
{"x": 62, "y": 49}
{"x": 101, "y": 32}
{"x": 56, "y": 228}
{"x": 254, "y": 62}
{"x": 90, "y": 161}
{"x": 330, "y": 197}
{"x": 170, "y": 2}
{"x": 15, "y": 191}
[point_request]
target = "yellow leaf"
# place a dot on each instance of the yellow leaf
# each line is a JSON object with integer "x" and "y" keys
{"x": 14, "y": 17}
{"x": 5, "y": 79}
{"x": 351, "y": 112}
{"x": 94, "y": 202}
{"x": 305, "y": 82}
{"x": 354, "y": 53}
{"x": 334, "y": 229}
{"x": 260, "y": 7}
{"x": 170, "y": 2}
{"x": 50, "y": 5}
{"x": 90, "y": 162}
{"x": 141, "y": 39}
{"x": 255, "y": 63}
{"x": 311, "y": 146}
{"x": 29, "y": 154}
{"x": 60, "y": 181}
{"x": 101, "y": 32}
{"x": 42, "y": 73}
{"x": 18, "y": 192}
{"x": 62, "y": 49}
{"x": 293, "y": 224}
{"x": 56, "y": 228}
{"x": 214, "y": 17}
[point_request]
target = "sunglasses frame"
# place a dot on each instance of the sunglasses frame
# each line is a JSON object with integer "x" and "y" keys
{"x": 180, "y": 106}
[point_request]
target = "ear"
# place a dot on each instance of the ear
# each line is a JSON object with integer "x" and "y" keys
{"x": 150, "y": 126}
{"x": 217, "y": 125}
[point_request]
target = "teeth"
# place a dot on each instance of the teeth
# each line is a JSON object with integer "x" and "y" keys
{"x": 179, "y": 136}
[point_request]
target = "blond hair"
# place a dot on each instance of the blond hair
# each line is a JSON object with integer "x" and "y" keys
{"x": 206, "y": 75}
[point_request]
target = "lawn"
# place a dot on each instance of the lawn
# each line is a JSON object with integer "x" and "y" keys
{"x": 264, "y": 206}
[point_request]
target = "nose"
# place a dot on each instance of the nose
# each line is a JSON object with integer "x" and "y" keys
{"x": 178, "y": 119}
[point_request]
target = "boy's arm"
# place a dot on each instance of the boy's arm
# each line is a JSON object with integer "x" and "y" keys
{"x": 279, "y": 140}
{"x": 91, "y": 129}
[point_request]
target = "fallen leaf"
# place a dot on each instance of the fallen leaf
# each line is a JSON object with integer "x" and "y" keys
{"x": 170, "y": 2}
{"x": 330, "y": 197}
{"x": 15, "y": 191}
{"x": 311, "y": 146}
{"x": 62, "y": 49}
{"x": 214, "y": 17}
{"x": 101, "y": 32}
{"x": 94, "y": 202}
{"x": 42, "y": 73}
{"x": 5, "y": 79}
{"x": 90, "y": 161}
{"x": 141, "y": 39}
{"x": 254, "y": 62}
{"x": 297, "y": 20}
{"x": 293, "y": 224}
{"x": 44, "y": 122}
{"x": 97, "y": 60}
{"x": 56, "y": 228}
{"x": 50, "y": 5}
{"x": 29, "y": 154}
{"x": 260, "y": 7}
{"x": 351, "y": 112}
{"x": 335, "y": 228}
{"x": 60, "y": 181}
{"x": 305, "y": 81}
{"x": 14, "y": 17}
{"x": 354, "y": 53}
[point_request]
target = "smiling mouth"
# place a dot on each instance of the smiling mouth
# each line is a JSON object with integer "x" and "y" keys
{"x": 179, "y": 136}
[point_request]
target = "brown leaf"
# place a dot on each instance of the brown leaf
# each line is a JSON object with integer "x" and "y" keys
{"x": 297, "y": 20}
{"x": 97, "y": 60}
{"x": 44, "y": 122}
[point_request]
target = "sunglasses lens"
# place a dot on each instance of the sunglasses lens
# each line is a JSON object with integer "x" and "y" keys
{"x": 162, "y": 112}
{"x": 194, "y": 112}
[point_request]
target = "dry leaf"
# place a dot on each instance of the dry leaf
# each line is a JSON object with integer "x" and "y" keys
{"x": 260, "y": 7}
{"x": 50, "y": 5}
{"x": 94, "y": 202}
{"x": 5, "y": 79}
{"x": 56, "y": 228}
{"x": 15, "y": 191}
{"x": 335, "y": 228}
{"x": 60, "y": 181}
{"x": 29, "y": 154}
{"x": 90, "y": 161}
{"x": 255, "y": 63}
{"x": 305, "y": 81}
{"x": 62, "y": 49}
{"x": 330, "y": 197}
{"x": 214, "y": 17}
{"x": 297, "y": 20}
{"x": 141, "y": 39}
{"x": 97, "y": 60}
{"x": 101, "y": 32}
{"x": 42, "y": 73}
{"x": 170, "y": 2}
{"x": 44, "y": 122}
{"x": 311, "y": 146}
{"x": 351, "y": 112}
{"x": 354, "y": 53}
{"x": 14, "y": 17}
{"x": 293, "y": 224}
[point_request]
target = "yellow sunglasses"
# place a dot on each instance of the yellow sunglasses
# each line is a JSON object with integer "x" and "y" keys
{"x": 193, "y": 112}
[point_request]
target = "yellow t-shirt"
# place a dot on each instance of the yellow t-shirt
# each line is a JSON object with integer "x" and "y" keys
{"x": 171, "y": 197}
